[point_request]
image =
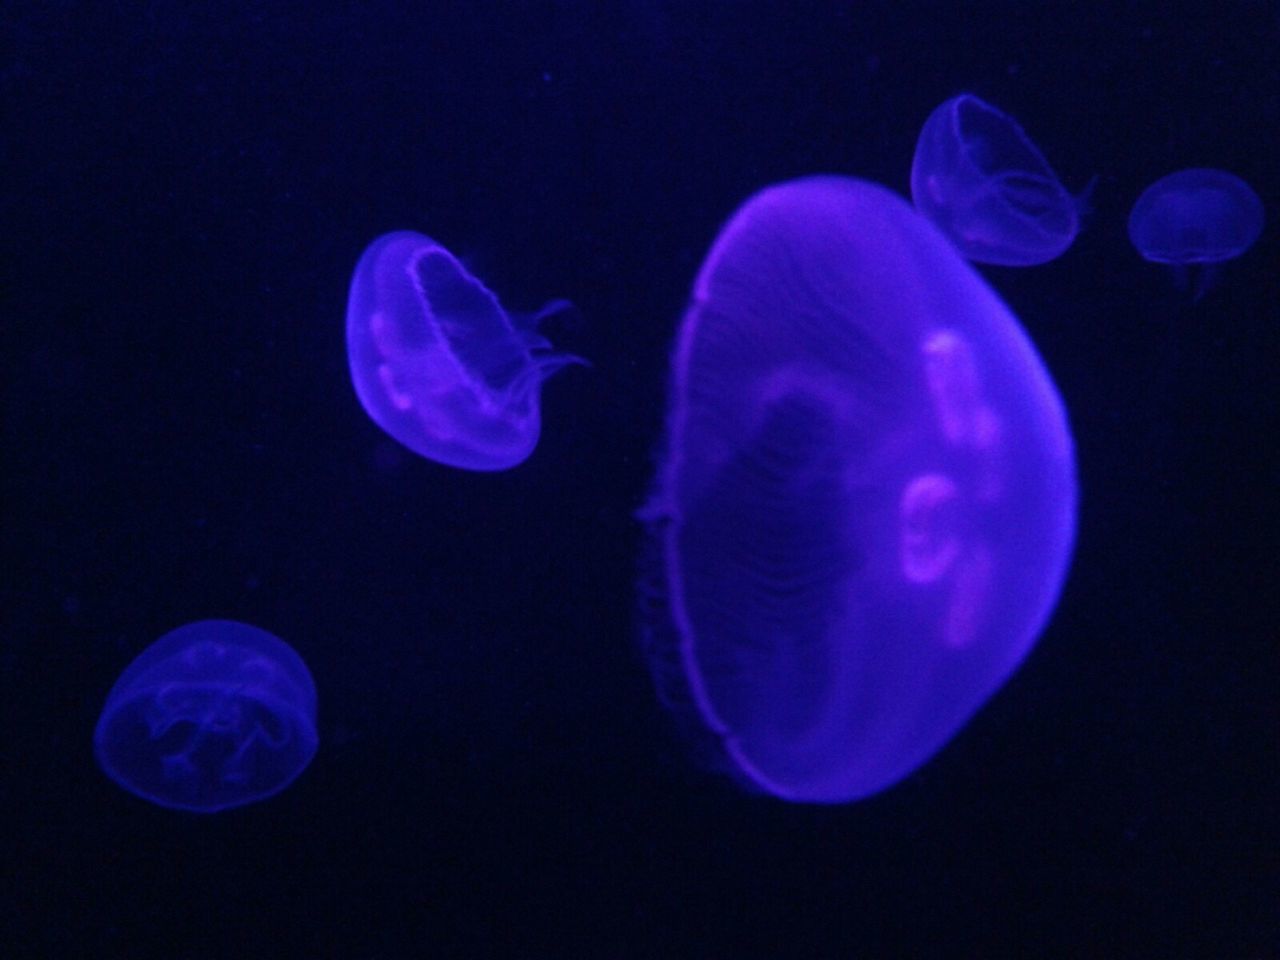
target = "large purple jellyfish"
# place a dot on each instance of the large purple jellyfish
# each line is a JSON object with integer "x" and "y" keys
{"x": 866, "y": 506}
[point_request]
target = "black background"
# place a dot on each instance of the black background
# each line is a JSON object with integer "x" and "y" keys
{"x": 186, "y": 190}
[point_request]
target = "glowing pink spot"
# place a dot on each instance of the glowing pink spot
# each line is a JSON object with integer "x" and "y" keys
{"x": 929, "y": 540}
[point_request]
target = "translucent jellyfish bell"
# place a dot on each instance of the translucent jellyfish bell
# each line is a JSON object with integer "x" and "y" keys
{"x": 1194, "y": 220}
{"x": 214, "y": 714}
{"x": 866, "y": 503}
{"x": 438, "y": 363}
{"x": 982, "y": 181}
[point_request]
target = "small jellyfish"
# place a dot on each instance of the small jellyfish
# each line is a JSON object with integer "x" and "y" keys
{"x": 1193, "y": 221}
{"x": 213, "y": 715}
{"x": 979, "y": 178}
{"x": 438, "y": 363}
{"x": 866, "y": 502}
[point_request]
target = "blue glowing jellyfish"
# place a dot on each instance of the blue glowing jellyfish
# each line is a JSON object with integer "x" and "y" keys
{"x": 438, "y": 363}
{"x": 1194, "y": 220}
{"x": 981, "y": 181}
{"x": 867, "y": 500}
{"x": 214, "y": 714}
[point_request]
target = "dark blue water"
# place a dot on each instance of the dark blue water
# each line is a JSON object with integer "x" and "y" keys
{"x": 186, "y": 191}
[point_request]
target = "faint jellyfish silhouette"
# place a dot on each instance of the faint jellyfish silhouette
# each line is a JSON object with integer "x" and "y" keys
{"x": 866, "y": 505}
{"x": 981, "y": 181}
{"x": 438, "y": 363}
{"x": 1193, "y": 221}
{"x": 213, "y": 715}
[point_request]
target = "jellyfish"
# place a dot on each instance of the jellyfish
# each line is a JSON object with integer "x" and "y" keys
{"x": 1193, "y": 221}
{"x": 985, "y": 185}
{"x": 866, "y": 500}
{"x": 213, "y": 715}
{"x": 438, "y": 363}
